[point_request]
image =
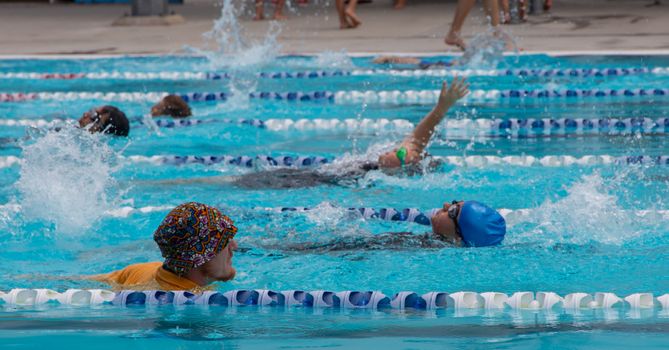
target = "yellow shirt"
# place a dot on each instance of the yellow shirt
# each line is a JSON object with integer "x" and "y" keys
{"x": 146, "y": 276}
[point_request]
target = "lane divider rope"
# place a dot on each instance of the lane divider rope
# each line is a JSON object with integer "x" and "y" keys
{"x": 416, "y": 216}
{"x": 459, "y": 161}
{"x": 370, "y": 96}
{"x": 410, "y": 215}
{"x": 502, "y": 126}
{"x": 176, "y": 75}
{"x": 162, "y": 123}
{"x": 350, "y": 299}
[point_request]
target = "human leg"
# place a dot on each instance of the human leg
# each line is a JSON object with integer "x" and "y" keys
{"x": 260, "y": 10}
{"x": 461, "y": 12}
{"x": 278, "y": 10}
{"x": 350, "y": 13}
{"x": 341, "y": 11}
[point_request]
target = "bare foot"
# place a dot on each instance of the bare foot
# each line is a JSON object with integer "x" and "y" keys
{"x": 345, "y": 25}
{"x": 400, "y": 4}
{"x": 280, "y": 17}
{"x": 455, "y": 40}
{"x": 258, "y": 17}
{"x": 355, "y": 21}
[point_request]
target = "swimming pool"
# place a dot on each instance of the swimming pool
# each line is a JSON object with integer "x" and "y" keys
{"x": 587, "y": 218}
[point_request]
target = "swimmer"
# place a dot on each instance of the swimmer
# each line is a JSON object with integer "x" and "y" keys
{"x": 405, "y": 158}
{"x": 197, "y": 242}
{"x": 458, "y": 223}
{"x": 422, "y": 64}
{"x": 412, "y": 150}
{"x": 173, "y": 106}
{"x": 105, "y": 119}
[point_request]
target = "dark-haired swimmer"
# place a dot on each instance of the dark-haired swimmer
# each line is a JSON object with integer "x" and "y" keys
{"x": 458, "y": 223}
{"x": 173, "y": 106}
{"x": 105, "y": 119}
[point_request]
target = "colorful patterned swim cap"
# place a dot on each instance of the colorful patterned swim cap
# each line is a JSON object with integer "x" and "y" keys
{"x": 192, "y": 234}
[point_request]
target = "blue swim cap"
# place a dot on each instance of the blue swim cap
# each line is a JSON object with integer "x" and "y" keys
{"x": 480, "y": 225}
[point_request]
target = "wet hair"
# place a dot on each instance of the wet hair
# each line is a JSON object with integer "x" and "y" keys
{"x": 117, "y": 123}
{"x": 174, "y": 106}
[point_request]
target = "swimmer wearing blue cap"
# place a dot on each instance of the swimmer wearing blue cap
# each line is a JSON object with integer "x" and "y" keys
{"x": 469, "y": 224}
{"x": 459, "y": 223}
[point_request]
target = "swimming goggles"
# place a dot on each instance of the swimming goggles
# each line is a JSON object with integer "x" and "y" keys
{"x": 453, "y": 212}
{"x": 402, "y": 155}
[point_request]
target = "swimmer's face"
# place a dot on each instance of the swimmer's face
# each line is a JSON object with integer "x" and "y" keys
{"x": 444, "y": 226}
{"x": 89, "y": 117}
{"x": 220, "y": 267}
{"x": 389, "y": 160}
{"x": 158, "y": 109}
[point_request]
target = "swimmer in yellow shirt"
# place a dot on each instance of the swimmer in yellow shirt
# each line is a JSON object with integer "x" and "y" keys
{"x": 197, "y": 242}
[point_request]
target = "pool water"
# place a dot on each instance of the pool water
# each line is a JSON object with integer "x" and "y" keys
{"x": 66, "y": 208}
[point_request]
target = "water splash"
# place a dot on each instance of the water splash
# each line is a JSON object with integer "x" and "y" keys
{"x": 229, "y": 47}
{"x": 66, "y": 179}
{"x": 334, "y": 60}
{"x": 350, "y": 162}
{"x": 486, "y": 49}
{"x": 590, "y": 212}
{"x": 231, "y": 50}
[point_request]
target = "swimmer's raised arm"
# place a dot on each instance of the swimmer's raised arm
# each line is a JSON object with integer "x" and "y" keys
{"x": 411, "y": 149}
{"x": 423, "y": 132}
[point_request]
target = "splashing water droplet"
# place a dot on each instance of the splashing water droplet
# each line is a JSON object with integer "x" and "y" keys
{"x": 66, "y": 179}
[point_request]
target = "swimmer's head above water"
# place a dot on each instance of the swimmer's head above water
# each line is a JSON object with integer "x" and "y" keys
{"x": 106, "y": 119}
{"x": 197, "y": 240}
{"x": 197, "y": 243}
{"x": 173, "y": 106}
{"x": 469, "y": 223}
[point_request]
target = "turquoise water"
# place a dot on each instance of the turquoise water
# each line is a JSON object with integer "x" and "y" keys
{"x": 60, "y": 209}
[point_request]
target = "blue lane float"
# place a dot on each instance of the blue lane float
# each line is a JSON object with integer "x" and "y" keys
{"x": 412, "y": 215}
{"x": 243, "y": 161}
{"x": 365, "y": 299}
{"x": 470, "y": 161}
{"x": 182, "y": 123}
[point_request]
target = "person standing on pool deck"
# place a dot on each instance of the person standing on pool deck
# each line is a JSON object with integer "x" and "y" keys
{"x": 197, "y": 242}
{"x": 461, "y": 11}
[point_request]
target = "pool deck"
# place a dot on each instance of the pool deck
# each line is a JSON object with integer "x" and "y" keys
{"x": 572, "y": 25}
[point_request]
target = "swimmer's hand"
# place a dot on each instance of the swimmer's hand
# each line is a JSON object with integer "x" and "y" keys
{"x": 458, "y": 89}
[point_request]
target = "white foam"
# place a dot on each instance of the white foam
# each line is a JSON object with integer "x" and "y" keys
{"x": 66, "y": 179}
